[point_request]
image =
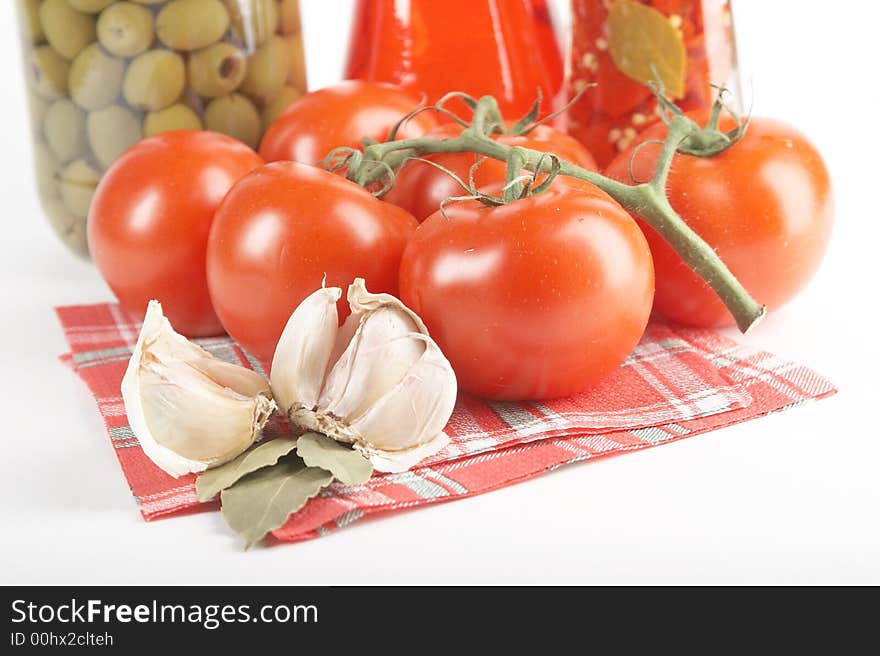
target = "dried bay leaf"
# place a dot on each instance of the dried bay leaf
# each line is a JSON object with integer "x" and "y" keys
{"x": 213, "y": 481}
{"x": 347, "y": 465}
{"x": 641, "y": 40}
{"x": 262, "y": 501}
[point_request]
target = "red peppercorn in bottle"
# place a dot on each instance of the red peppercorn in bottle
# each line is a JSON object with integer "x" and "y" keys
{"x": 621, "y": 45}
{"x": 506, "y": 48}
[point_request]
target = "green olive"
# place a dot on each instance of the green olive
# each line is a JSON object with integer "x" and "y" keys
{"x": 290, "y": 23}
{"x": 37, "y": 106}
{"x": 65, "y": 129}
{"x": 126, "y": 29}
{"x": 217, "y": 70}
{"x": 90, "y": 6}
{"x": 267, "y": 69}
{"x": 112, "y": 131}
{"x": 154, "y": 80}
{"x": 176, "y": 117}
{"x": 95, "y": 78}
{"x": 67, "y": 30}
{"x": 297, "y": 75}
{"x": 29, "y": 19}
{"x": 149, "y": 2}
{"x": 253, "y": 21}
{"x": 47, "y": 72}
{"x": 69, "y": 228}
{"x": 192, "y": 24}
{"x": 78, "y": 182}
{"x": 236, "y": 116}
{"x": 275, "y": 107}
{"x": 46, "y": 168}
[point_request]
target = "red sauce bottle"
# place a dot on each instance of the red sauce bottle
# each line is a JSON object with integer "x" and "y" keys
{"x": 690, "y": 42}
{"x": 506, "y": 48}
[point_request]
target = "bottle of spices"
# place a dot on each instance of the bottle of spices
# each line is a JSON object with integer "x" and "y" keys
{"x": 104, "y": 74}
{"x": 621, "y": 45}
{"x": 506, "y": 48}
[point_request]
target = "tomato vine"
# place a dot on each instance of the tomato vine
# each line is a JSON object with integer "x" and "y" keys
{"x": 378, "y": 161}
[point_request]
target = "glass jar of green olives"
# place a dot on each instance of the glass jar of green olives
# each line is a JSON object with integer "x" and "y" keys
{"x": 103, "y": 74}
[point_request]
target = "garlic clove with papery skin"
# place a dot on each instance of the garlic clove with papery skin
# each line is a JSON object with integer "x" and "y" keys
{"x": 188, "y": 409}
{"x": 378, "y": 356}
{"x": 411, "y": 411}
{"x": 304, "y": 349}
{"x": 385, "y": 386}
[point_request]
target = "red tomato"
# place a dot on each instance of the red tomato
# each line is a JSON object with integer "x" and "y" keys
{"x": 535, "y": 299}
{"x": 280, "y": 231}
{"x": 765, "y": 205}
{"x": 150, "y": 217}
{"x": 341, "y": 115}
{"x": 420, "y": 188}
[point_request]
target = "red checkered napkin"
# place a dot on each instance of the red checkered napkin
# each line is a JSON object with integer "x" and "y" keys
{"x": 677, "y": 383}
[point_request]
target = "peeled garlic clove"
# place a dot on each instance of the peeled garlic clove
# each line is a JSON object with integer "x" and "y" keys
{"x": 385, "y": 387}
{"x": 304, "y": 349}
{"x": 412, "y": 413}
{"x": 188, "y": 409}
{"x": 378, "y": 357}
{"x": 241, "y": 379}
{"x": 388, "y": 335}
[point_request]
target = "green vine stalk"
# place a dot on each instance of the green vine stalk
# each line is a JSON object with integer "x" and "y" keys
{"x": 647, "y": 200}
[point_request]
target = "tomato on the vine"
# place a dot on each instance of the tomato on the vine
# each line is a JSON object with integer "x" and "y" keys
{"x": 538, "y": 298}
{"x": 764, "y": 204}
{"x": 420, "y": 188}
{"x": 342, "y": 115}
{"x": 149, "y": 221}
{"x": 285, "y": 230}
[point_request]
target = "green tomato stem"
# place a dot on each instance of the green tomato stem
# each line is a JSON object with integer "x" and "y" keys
{"x": 513, "y": 190}
{"x": 646, "y": 200}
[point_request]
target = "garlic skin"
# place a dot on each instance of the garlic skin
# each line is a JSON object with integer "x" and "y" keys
{"x": 304, "y": 349}
{"x": 188, "y": 409}
{"x": 379, "y": 382}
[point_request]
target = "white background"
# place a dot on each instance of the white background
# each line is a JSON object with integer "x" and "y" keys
{"x": 792, "y": 498}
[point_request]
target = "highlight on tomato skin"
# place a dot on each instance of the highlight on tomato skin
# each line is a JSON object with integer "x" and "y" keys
{"x": 765, "y": 205}
{"x": 419, "y": 187}
{"x": 150, "y": 217}
{"x": 536, "y": 299}
{"x": 285, "y": 230}
{"x": 342, "y": 115}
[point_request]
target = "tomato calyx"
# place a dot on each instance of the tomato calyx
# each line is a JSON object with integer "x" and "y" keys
{"x": 351, "y": 160}
{"x": 494, "y": 123}
{"x": 517, "y": 185}
{"x": 378, "y": 162}
{"x": 709, "y": 140}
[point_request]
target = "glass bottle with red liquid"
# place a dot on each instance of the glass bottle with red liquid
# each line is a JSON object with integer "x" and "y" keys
{"x": 621, "y": 45}
{"x": 506, "y": 48}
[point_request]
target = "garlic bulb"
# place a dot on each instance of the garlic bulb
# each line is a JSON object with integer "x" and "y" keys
{"x": 379, "y": 382}
{"x": 188, "y": 409}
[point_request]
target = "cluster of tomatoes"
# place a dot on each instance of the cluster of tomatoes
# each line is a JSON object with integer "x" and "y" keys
{"x": 537, "y": 298}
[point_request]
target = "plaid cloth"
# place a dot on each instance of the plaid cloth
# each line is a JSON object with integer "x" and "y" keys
{"x": 677, "y": 383}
